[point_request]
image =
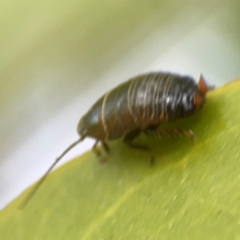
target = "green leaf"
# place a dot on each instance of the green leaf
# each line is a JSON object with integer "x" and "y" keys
{"x": 191, "y": 192}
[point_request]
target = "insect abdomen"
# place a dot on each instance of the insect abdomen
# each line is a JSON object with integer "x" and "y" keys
{"x": 142, "y": 101}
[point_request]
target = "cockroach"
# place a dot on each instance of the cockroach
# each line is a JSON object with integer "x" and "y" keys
{"x": 138, "y": 105}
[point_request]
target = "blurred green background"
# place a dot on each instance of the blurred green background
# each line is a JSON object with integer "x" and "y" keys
{"x": 58, "y": 57}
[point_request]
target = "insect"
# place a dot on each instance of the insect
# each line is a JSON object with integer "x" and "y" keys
{"x": 138, "y": 105}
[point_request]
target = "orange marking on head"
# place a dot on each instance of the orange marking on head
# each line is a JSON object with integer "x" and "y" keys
{"x": 202, "y": 85}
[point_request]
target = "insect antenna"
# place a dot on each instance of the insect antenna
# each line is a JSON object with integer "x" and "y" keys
{"x": 43, "y": 178}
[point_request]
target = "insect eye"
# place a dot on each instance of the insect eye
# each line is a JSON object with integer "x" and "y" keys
{"x": 198, "y": 100}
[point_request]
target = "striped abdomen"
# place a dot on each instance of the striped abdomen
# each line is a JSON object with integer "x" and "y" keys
{"x": 141, "y": 102}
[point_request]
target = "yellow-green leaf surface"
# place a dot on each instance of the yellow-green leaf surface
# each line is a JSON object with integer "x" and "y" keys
{"x": 191, "y": 192}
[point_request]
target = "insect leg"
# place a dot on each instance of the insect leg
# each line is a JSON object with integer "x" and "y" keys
{"x": 129, "y": 138}
{"x": 169, "y": 133}
{"x": 105, "y": 146}
{"x": 96, "y": 150}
